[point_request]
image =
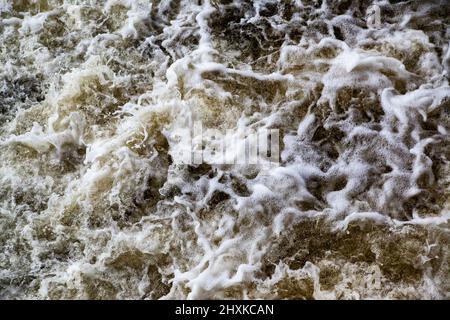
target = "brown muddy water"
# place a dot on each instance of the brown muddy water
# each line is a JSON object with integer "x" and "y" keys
{"x": 95, "y": 205}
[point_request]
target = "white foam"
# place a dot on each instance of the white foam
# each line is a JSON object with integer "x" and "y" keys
{"x": 92, "y": 185}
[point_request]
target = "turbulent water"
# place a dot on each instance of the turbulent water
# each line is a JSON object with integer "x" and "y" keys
{"x": 95, "y": 205}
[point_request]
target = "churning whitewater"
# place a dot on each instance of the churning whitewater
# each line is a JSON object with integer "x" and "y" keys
{"x": 96, "y": 204}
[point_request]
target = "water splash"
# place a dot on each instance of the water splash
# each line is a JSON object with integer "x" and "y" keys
{"x": 94, "y": 204}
